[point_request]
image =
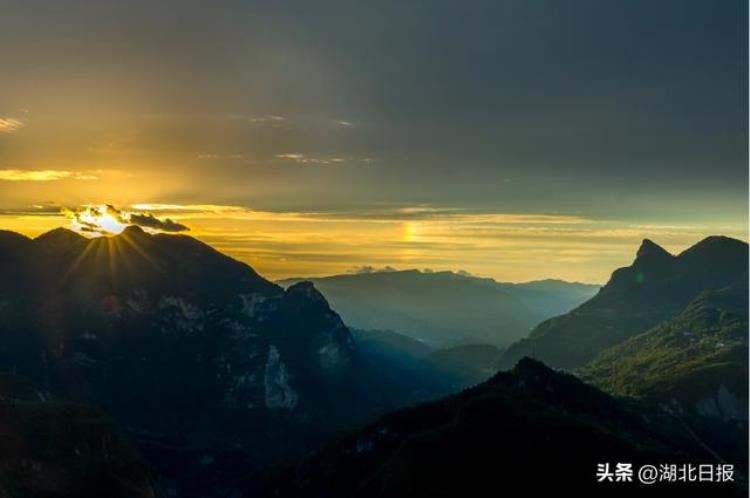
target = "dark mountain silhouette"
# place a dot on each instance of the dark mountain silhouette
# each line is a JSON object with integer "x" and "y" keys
{"x": 530, "y": 428}
{"x": 655, "y": 288}
{"x": 446, "y": 309}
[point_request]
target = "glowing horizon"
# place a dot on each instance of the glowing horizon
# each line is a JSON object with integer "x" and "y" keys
{"x": 504, "y": 246}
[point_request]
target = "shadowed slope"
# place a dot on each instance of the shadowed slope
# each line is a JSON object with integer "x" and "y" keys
{"x": 531, "y": 428}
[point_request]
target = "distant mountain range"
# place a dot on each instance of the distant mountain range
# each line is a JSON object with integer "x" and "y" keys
{"x": 445, "y": 309}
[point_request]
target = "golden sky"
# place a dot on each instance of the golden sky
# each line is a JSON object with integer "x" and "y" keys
{"x": 508, "y": 247}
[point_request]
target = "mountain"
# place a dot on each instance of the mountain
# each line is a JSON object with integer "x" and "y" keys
{"x": 142, "y": 322}
{"x": 655, "y": 288}
{"x": 531, "y": 428}
{"x": 550, "y": 297}
{"x": 696, "y": 362}
{"x": 445, "y": 309}
{"x": 190, "y": 351}
{"x": 153, "y": 365}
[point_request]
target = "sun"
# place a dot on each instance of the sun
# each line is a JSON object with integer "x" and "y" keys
{"x": 410, "y": 231}
{"x": 98, "y": 220}
{"x": 110, "y": 224}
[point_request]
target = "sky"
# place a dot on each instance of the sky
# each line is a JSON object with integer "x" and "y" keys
{"x": 519, "y": 139}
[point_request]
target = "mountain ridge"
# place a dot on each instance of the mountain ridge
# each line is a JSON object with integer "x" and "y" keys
{"x": 446, "y": 309}
{"x": 654, "y": 288}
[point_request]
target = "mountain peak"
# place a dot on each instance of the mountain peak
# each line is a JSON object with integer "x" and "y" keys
{"x": 635, "y": 299}
{"x": 59, "y": 236}
{"x": 651, "y": 250}
{"x": 133, "y": 229}
{"x": 306, "y": 291}
{"x": 134, "y": 233}
{"x": 715, "y": 246}
{"x": 651, "y": 256}
{"x": 529, "y": 366}
{"x": 58, "y": 232}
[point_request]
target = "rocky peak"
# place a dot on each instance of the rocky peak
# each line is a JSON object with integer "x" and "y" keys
{"x": 306, "y": 291}
{"x": 651, "y": 253}
{"x": 133, "y": 231}
{"x": 533, "y": 378}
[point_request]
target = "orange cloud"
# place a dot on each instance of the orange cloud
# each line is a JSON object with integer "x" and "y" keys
{"x": 42, "y": 175}
{"x": 8, "y": 125}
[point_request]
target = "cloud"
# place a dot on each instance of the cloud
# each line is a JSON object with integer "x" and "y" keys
{"x": 273, "y": 120}
{"x": 188, "y": 208}
{"x": 42, "y": 175}
{"x": 294, "y": 156}
{"x": 220, "y": 156}
{"x": 96, "y": 220}
{"x": 448, "y": 214}
{"x": 115, "y": 213}
{"x": 148, "y": 220}
{"x": 265, "y": 119}
{"x": 107, "y": 219}
{"x": 362, "y": 270}
{"x": 301, "y": 158}
{"x": 9, "y": 125}
{"x": 378, "y": 214}
{"x": 33, "y": 210}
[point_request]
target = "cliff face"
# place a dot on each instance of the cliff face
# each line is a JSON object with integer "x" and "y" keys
{"x": 168, "y": 335}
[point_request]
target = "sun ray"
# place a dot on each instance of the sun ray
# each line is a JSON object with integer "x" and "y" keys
{"x": 128, "y": 239}
{"x": 74, "y": 265}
